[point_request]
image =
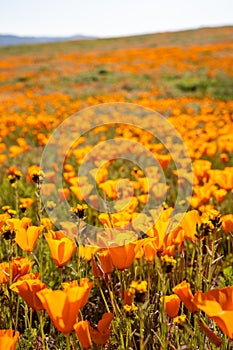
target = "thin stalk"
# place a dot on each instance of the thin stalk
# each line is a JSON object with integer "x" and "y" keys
{"x": 68, "y": 342}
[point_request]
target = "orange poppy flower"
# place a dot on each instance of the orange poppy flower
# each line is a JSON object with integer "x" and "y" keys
{"x": 8, "y": 339}
{"x": 185, "y": 294}
{"x": 62, "y": 248}
{"x": 122, "y": 256}
{"x": 105, "y": 261}
{"x": 82, "y": 192}
{"x": 84, "y": 282}
{"x": 146, "y": 247}
{"x": 218, "y": 305}
{"x": 87, "y": 251}
{"x": 227, "y": 223}
{"x": 63, "y": 306}
{"x": 27, "y": 289}
{"x": 189, "y": 222}
{"x": 101, "y": 335}
{"x": 82, "y": 330}
{"x": 26, "y": 202}
{"x": 27, "y": 239}
{"x": 171, "y": 304}
{"x": 19, "y": 267}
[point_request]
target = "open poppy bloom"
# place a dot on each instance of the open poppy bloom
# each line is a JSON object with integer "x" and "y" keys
{"x": 171, "y": 304}
{"x": 27, "y": 287}
{"x": 183, "y": 291}
{"x": 8, "y": 339}
{"x": 101, "y": 335}
{"x": 63, "y": 306}
{"x": 19, "y": 267}
{"x": 27, "y": 238}
{"x": 218, "y": 305}
{"x": 62, "y": 248}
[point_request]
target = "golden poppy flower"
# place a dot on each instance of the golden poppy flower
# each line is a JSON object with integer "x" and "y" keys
{"x": 61, "y": 247}
{"x": 105, "y": 261}
{"x": 171, "y": 304}
{"x": 218, "y": 305}
{"x": 184, "y": 292}
{"x": 19, "y": 267}
{"x": 122, "y": 256}
{"x": 27, "y": 288}
{"x": 227, "y": 223}
{"x": 8, "y": 339}
{"x": 82, "y": 330}
{"x": 63, "y": 306}
{"x": 27, "y": 239}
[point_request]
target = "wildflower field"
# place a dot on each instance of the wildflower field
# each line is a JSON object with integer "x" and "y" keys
{"x": 116, "y": 226}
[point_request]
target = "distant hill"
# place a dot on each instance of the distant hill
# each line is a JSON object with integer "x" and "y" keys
{"x": 8, "y": 40}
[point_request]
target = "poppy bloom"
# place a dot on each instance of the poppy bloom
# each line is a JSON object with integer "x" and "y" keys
{"x": 146, "y": 247}
{"x": 122, "y": 256}
{"x": 87, "y": 251}
{"x": 218, "y": 305}
{"x": 227, "y": 223}
{"x": 101, "y": 335}
{"x": 82, "y": 330}
{"x": 62, "y": 248}
{"x": 185, "y": 294}
{"x": 27, "y": 287}
{"x": 19, "y": 267}
{"x": 27, "y": 239}
{"x": 63, "y": 306}
{"x": 171, "y": 304}
{"x": 8, "y": 339}
{"x": 105, "y": 261}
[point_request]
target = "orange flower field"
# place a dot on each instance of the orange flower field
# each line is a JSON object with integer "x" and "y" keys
{"x": 116, "y": 193}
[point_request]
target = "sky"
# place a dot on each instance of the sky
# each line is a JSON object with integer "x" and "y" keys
{"x": 110, "y": 18}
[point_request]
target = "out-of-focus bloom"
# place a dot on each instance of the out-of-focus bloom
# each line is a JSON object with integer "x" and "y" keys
{"x": 218, "y": 305}
{"x": 130, "y": 308}
{"x": 87, "y": 251}
{"x": 35, "y": 174}
{"x": 171, "y": 304}
{"x": 185, "y": 294}
{"x": 8, "y": 339}
{"x": 101, "y": 335}
{"x": 227, "y": 223}
{"x": 62, "y": 248}
{"x": 180, "y": 319}
{"x": 220, "y": 195}
{"x": 82, "y": 330}
{"x": 79, "y": 211}
{"x": 25, "y": 203}
{"x": 27, "y": 239}
{"x": 63, "y": 306}
{"x": 27, "y": 287}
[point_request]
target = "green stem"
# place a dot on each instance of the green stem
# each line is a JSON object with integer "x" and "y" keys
{"x": 40, "y": 316}
{"x": 67, "y": 342}
{"x": 103, "y": 296}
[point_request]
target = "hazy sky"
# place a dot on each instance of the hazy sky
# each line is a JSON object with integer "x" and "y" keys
{"x": 110, "y": 17}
